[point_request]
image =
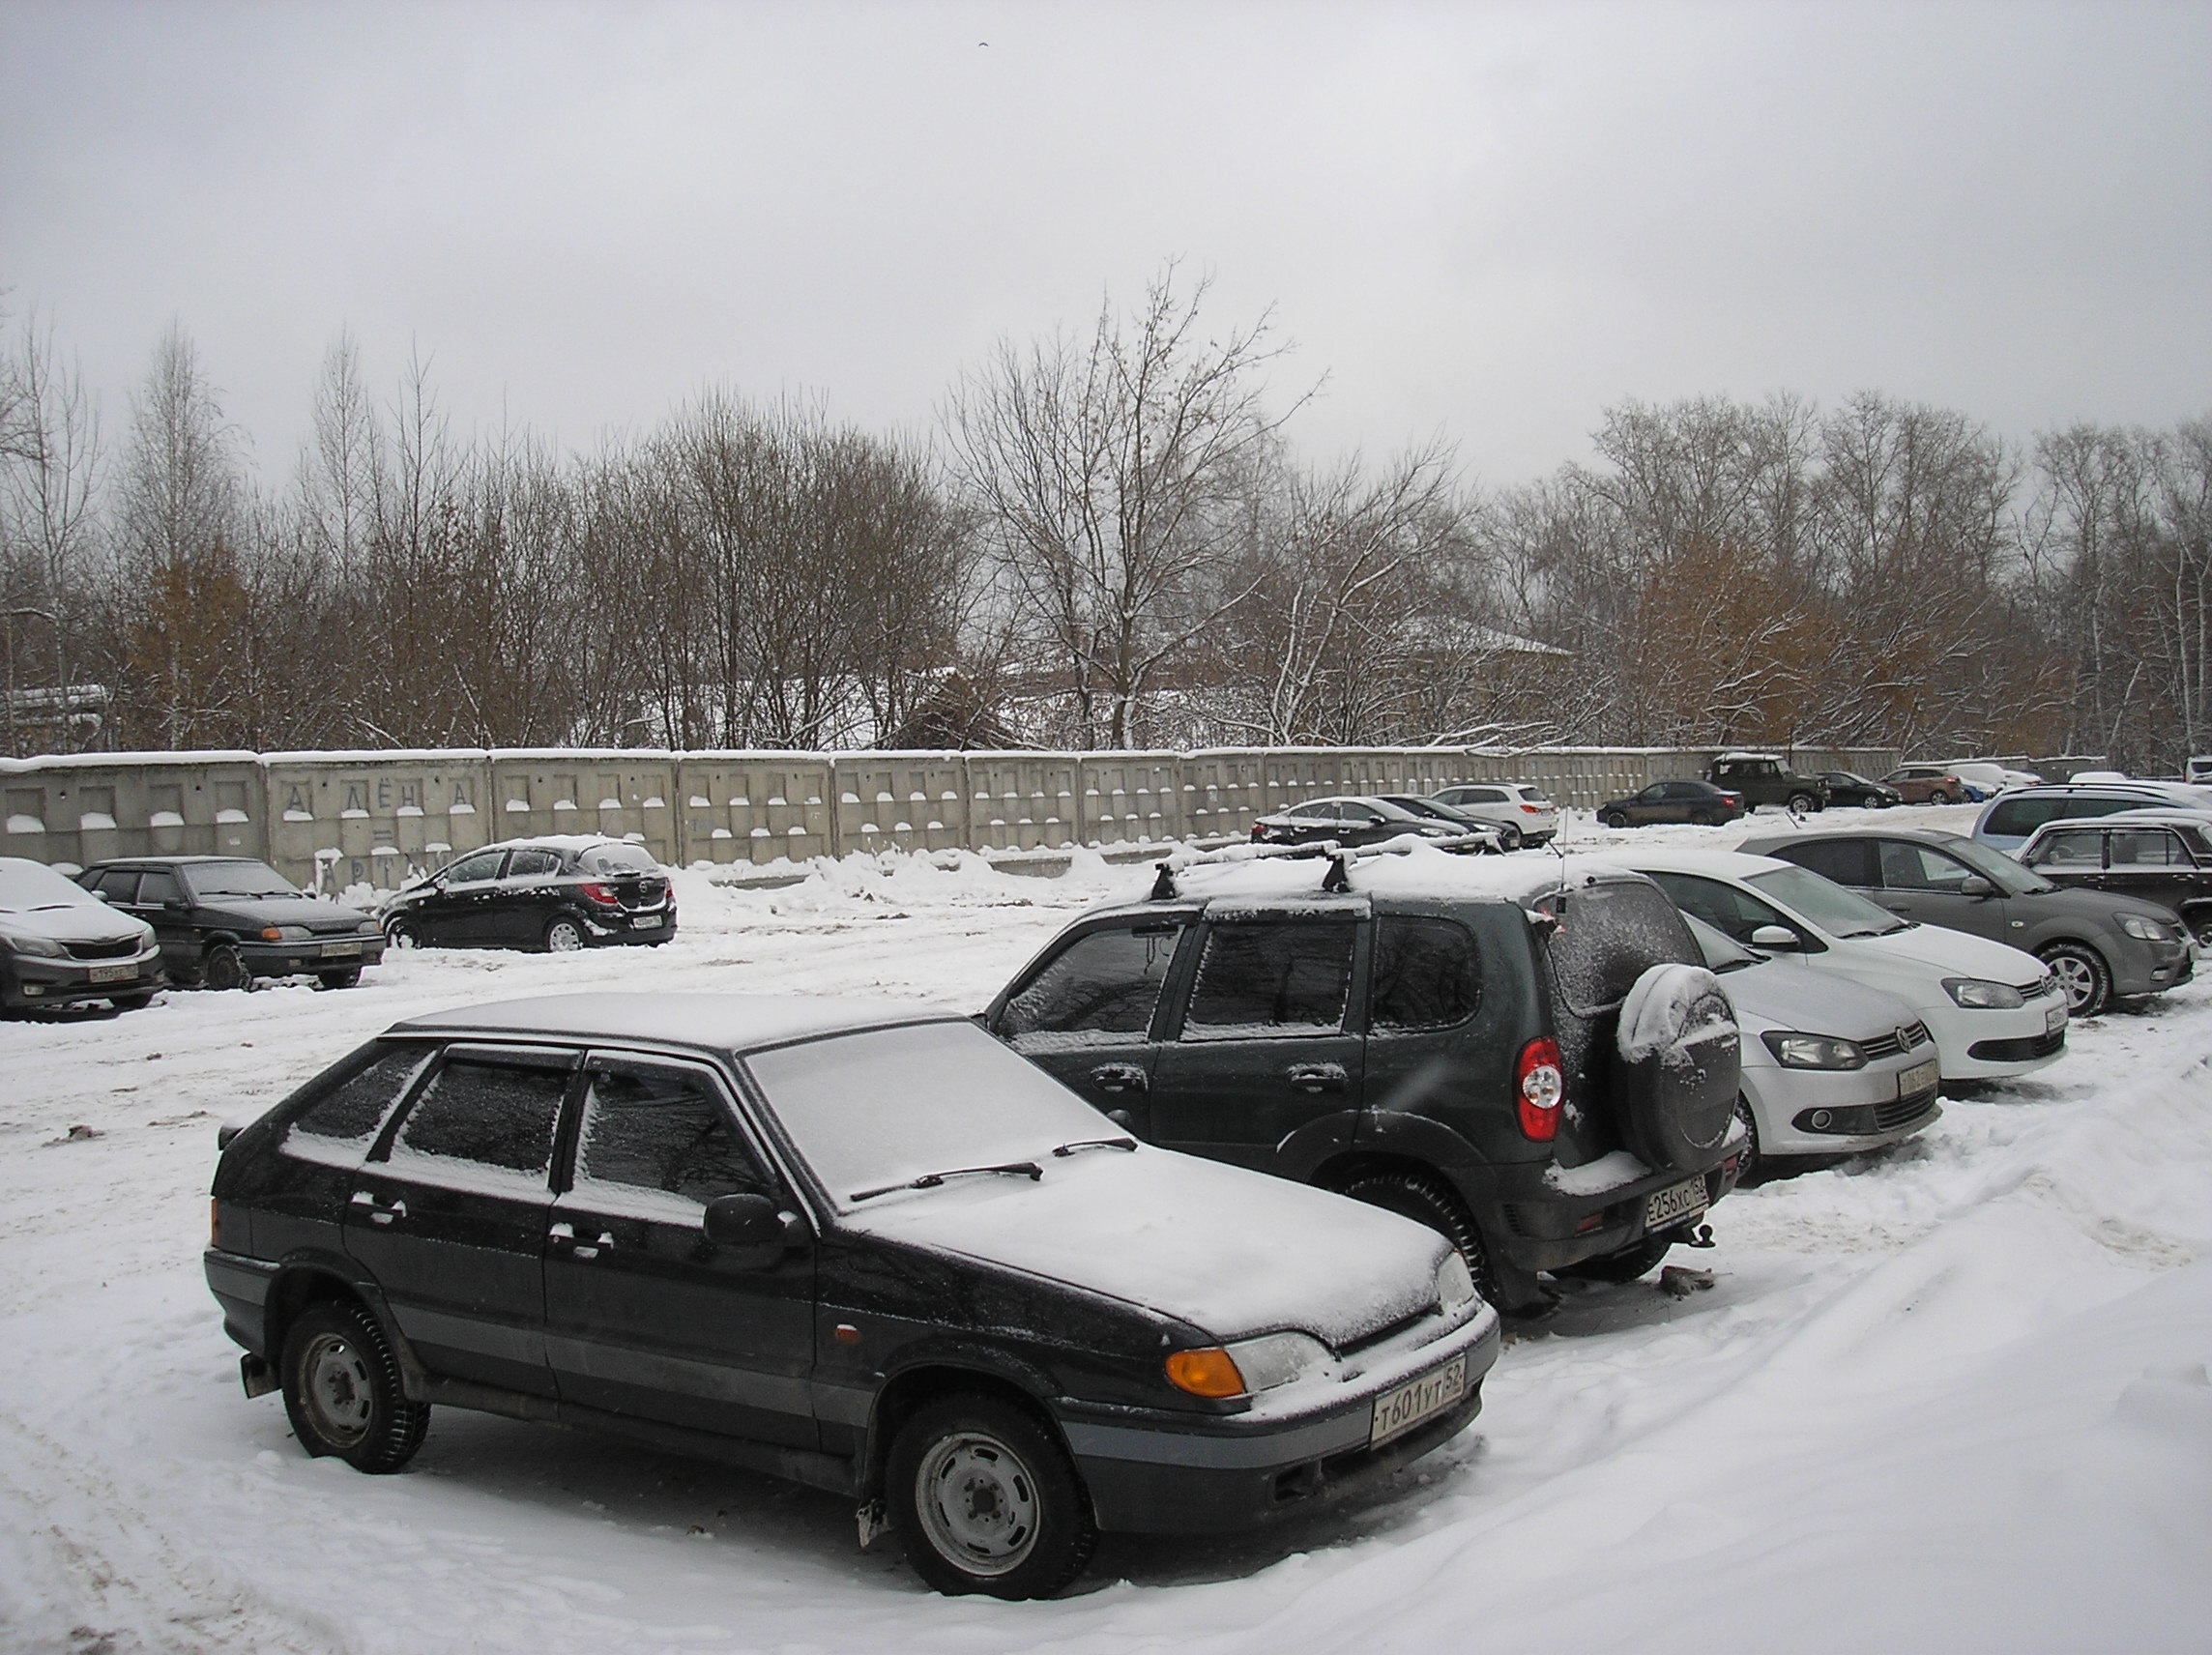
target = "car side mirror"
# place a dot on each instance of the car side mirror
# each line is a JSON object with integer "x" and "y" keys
{"x": 1776, "y": 939}
{"x": 743, "y": 1221}
{"x": 1973, "y": 885}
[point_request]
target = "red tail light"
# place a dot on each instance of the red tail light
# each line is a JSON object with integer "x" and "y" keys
{"x": 1533, "y": 809}
{"x": 594, "y": 892}
{"x": 1541, "y": 1085}
{"x": 1258, "y": 831}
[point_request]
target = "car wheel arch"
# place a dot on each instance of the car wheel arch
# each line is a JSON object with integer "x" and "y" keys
{"x": 909, "y": 1389}
{"x": 303, "y": 1283}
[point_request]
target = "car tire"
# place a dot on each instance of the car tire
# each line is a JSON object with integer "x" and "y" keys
{"x": 1615, "y": 819}
{"x": 2083, "y": 973}
{"x": 563, "y": 934}
{"x": 403, "y": 933}
{"x": 131, "y": 1002}
{"x": 342, "y": 1391}
{"x": 1625, "y": 1266}
{"x": 347, "y": 979}
{"x": 1747, "y": 1168}
{"x": 1426, "y": 1198}
{"x": 1803, "y": 803}
{"x": 985, "y": 1499}
{"x": 1508, "y": 836}
{"x": 1937, "y": 795}
{"x": 222, "y": 967}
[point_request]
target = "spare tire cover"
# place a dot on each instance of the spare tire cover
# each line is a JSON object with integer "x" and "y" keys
{"x": 1678, "y": 1067}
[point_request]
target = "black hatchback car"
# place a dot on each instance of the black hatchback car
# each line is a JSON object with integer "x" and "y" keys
{"x": 558, "y": 894}
{"x": 1440, "y": 1036}
{"x": 858, "y": 1244}
{"x": 1682, "y": 801}
{"x": 1849, "y": 786}
{"x": 224, "y": 921}
{"x": 1370, "y": 820}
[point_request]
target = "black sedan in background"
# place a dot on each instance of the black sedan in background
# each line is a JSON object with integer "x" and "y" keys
{"x": 1369, "y": 821}
{"x": 224, "y": 922}
{"x": 558, "y": 894}
{"x": 1849, "y": 786}
{"x": 1697, "y": 802}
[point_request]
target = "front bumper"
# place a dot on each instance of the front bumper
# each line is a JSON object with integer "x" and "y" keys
{"x": 1159, "y": 1473}
{"x": 1990, "y": 1045}
{"x": 312, "y": 956}
{"x": 1866, "y": 1108}
{"x": 34, "y": 979}
{"x": 2152, "y": 968}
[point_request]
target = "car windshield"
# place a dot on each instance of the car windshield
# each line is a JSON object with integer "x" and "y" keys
{"x": 1836, "y": 910}
{"x": 893, "y": 1104}
{"x": 28, "y": 885}
{"x": 239, "y": 879}
{"x": 1999, "y": 869}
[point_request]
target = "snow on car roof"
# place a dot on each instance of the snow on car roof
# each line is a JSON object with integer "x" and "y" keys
{"x": 1667, "y": 859}
{"x": 710, "y": 1022}
{"x": 1420, "y": 870}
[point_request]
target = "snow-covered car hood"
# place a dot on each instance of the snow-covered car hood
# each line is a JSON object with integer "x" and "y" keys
{"x": 1231, "y": 1251}
{"x": 1777, "y": 994}
{"x": 289, "y": 911}
{"x": 1958, "y": 953}
{"x": 76, "y": 922}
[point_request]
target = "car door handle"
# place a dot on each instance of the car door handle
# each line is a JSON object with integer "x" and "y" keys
{"x": 1119, "y": 1076}
{"x": 1318, "y": 1077}
{"x": 379, "y": 1214}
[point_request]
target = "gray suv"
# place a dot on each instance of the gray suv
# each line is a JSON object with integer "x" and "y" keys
{"x": 2100, "y": 946}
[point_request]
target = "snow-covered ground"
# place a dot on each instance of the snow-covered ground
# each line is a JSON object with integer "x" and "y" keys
{"x": 1951, "y": 1398}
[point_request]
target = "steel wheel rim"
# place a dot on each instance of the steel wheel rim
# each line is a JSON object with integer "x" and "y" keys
{"x": 339, "y": 1387}
{"x": 224, "y": 969}
{"x": 563, "y": 936}
{"x": 2076, "y": 978}
{"x": 977, "y": 1502}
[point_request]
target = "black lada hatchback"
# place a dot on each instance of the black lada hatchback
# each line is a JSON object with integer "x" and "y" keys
{"x": 858, "y": 1244}
{"x": 1523, "y": 1052}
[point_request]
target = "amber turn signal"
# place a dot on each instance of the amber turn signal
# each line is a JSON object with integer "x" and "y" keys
{"x": 1210, "y": 1372}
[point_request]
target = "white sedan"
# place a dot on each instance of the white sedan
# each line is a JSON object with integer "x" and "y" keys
{"x": 1994, "y": 1012}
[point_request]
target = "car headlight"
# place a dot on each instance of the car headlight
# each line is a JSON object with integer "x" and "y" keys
{"x": 31, "y": 943}
{"x": 1817, "y": 1051}
{"x": 1977, "y": 994}
{"x": 1280, "y": 1358}
{"x": 286, "y": 933}
{"x": 2146, "y": 929}
{"x": 1455, "y": 1285}
{"x": 370, "y": 928}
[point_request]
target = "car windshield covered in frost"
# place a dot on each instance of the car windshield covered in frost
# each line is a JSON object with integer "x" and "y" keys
{"x": 854, "y": 1243}
{"x": 1428, "y": 1033}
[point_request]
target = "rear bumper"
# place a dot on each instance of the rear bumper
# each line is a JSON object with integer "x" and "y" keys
{"x": 1530, "y": 1224}
{"x": 1235, "y": 1473}
{"x": 617, "y": 927}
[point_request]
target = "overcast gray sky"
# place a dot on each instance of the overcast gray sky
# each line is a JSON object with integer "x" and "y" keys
{"x": 1487, "y": 220}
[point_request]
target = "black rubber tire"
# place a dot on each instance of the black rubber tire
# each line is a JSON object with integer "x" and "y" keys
{"x": 1877, "y": 803}
{"x": 1426, "y": 1198}
{"x": 564, "y": 935}
{"x": 2083, "y": 973}
{"x": 1622, "y": 1267}
{"x": 1939, "y": 796}
{"x": 1508, "y": 836}
{"x": 984, "y": 1463}
{"x": 222, "y": 967}
{"x": 131, "y": 1002}
{"x": 2198, "y": 922}
{"x": 1803, "y": 803}
{"x": 403, "y": 933}
{"x": 343, "y": 1390}
{"x": 1748, "y": 1167}
{"x": 1615, "y": 819}
{"x": 347, "y": 979}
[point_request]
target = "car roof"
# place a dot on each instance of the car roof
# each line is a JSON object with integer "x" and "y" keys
{"x": 1421, "y": 873}
{"x": 1872, "y": 830}
{"x": 547, "y": 842}
{"x": 166, "y": 862}
{"x": 1672, "y": 859}
{"x": 2155, "y": 816}
{"x": 1728, "y": 758}
{"x": 734, "y": 1023}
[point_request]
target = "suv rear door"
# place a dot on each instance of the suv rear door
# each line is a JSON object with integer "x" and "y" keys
{"x": 1264, "y": 1040}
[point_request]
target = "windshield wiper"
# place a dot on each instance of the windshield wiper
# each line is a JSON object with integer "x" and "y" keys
{"x": 1066, "y": 1149}
{"x": 930, "y": 1181}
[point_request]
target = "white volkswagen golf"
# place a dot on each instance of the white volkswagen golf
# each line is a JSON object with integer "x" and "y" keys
{"x": 1994, "y": 1012}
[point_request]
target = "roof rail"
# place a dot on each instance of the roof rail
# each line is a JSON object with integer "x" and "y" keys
{"x": 1335, "y": 881}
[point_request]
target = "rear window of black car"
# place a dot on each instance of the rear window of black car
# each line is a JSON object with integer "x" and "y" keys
{"x": 348, "y": 1112}
{"x": 1610, "y": 934}
{"x": 618, "y": 860}
{"x": 1428, "y": 974}
{"x": 497, "y": 1115}
{"x": 2023, "y": 816}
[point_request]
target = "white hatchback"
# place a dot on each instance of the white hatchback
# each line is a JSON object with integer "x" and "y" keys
{"x": 1518, "y": 805}
{"x": 1994, "y": 1012}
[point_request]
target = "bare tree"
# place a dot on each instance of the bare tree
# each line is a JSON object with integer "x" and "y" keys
{"x": 1105, "y": 474}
